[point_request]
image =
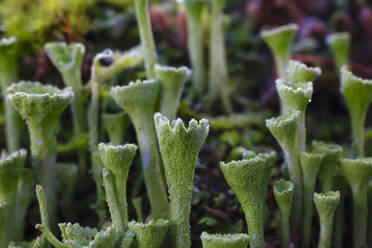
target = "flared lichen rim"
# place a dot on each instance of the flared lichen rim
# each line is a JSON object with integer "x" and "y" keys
{"x": 225, "y": 237}
{"x": 242, "y": 163}
{"x": 12, "y": 156}
{"x": 66, "y": 62}
{"x": 38, "y": 90}
{"x": 283, "y": 187}
{"x": 176, "y": 125}
{"x": 361, "y": 161}
{"x": 117, "y": 148}
{"x": 154, "y": 223}
{"x": 132, "y": 84}
{"x": 345, "y": 71}
{"x": 303, "y": 67}
{"x": 7, "y": 41}
{"x": 342, "y": 35}
{"x": 175, "y": 70}
{"x": 333, "y": 196}
{"x": 274, "y": 31}
{"x": 305, "y": 88}
{"x": 321, "y": 146}
{"x": 287, "y": 119}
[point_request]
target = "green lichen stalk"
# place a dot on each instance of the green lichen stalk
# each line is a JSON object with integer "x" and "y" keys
{"x": 245, "y": 178}
{"x": 218, "y": 74}
{"x": 11, "y": 172}
{"x": 41, "y": 106}
{"x": 270, "y": 158}
{"x": 146, "y": 35}
{"x": 340, "y": 46}
{"x": 68, "y": 60}
{"x": 149, "y": 235}
{"x": 295, "y": 96}
{"x": 280, "y": 41}
{"x": 179, "y": 148}
{"x": 310, "y": 164}
{"x": 139, "y": 100}
{"x": 239, "y": 240}
{"x": 117, "y": 161}
{"x": 284, "y": 129}
{"x": 357, "y": 173}
{"x": 194, "y": 9}
{"x": 326, "y": 205}
{"x": 358, "y": 95}
{"x": 283, "y": 193}
{"x": 9, "y": 75}
{"x": 115, "y": 125}
{"x": 173, "y": 80}
{"x": 328, "y": 167}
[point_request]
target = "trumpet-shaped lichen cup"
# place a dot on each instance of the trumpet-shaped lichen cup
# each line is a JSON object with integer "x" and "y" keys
{"x": 358, "y": 95}
{"x": 151, "y": 234}
{"x": 139, "y": 100}
{"x": 173, "y": 81}
{"x": 238, "y": 240}
{"x": 326, "y": 205}
{"x": 357, "y": 172}
{"x": 245, "y": 178}
{"x": 117, "y": 161}
{"x": 283, "y": 193}
{"x": 179, "y": 147}
{"x": 41, "y": 106}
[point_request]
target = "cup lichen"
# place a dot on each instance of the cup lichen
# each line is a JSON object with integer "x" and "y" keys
{"x": 179, "y": 147}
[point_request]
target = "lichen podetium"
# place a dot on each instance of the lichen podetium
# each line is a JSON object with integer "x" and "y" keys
{"x": 139, "y": 100}
{"x": 326, "y": 205}
{"x": 236, "y": 240}
{"x": 41, "y": 106}
{"x": 358, "y": 95}
{"x": 179, "y": 147}
{"x": 245, "y": 178}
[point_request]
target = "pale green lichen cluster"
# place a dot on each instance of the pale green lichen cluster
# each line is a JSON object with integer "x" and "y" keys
{"x": 169, "y": 150}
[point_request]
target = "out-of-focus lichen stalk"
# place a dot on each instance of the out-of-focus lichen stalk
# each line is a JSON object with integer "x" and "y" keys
{"x": 283, "y": 193}
{"x": 173, "y": 81}
{"x": 116, "y": 125}
{"x": 41, "y": 106}
{"x": 280, "y": 41}
{"x": 11, "y": 172}
{"x": 358, "y": 95}
{"x": 9, "y": 75}
{"x": 194, "y": 9}
{"x": 326, "y": 205}
{"x": 310, "y": 164}
{"x": 340, "y": 47}
{"x": 329, "y": 164}
{"x": 179, "y": 148}
{"x": 139, "y": 100}
{"x": 146, "y": 35}
{"x": 149, "y": 235}
{"x": 218, "y": 74}
{"x": 239, "y": 240}
{"x": 358, "y": 172}
{"x": 68, "y": 60}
